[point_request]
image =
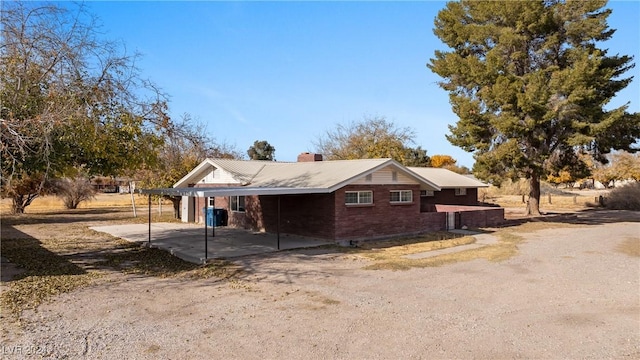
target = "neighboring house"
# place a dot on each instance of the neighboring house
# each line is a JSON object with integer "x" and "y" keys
{"x": 106, "y": 184}
{"x": 341, "y": 200}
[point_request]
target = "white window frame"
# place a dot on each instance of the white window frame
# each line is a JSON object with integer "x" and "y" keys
{"x": 427, "y": 193}
{"x": 363, "y": 197}
{"x": 236, "y": 204}
{"x": 404, "y": 196}
{"x": 211, "y": 202}
{"x": 461, "y": 191}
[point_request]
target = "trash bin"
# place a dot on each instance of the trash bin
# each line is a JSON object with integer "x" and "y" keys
{"x": 220, "y": 216}
{"x": 208, "y": 215}
{"x": 215, "y": 216}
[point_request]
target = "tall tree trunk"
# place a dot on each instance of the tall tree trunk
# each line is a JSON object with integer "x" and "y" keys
{"x": 20, "y": 202}
{"x": 175, "y": 200}
{"x": 533, "y": 206}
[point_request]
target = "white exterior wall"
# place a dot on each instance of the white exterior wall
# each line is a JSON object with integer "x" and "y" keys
{"x": 218, "y": 176}
{"x": 385, "y": 177}
{"x": 187, "y": 214}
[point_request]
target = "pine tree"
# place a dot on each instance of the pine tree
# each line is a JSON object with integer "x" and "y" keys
{"x": 530, "y": 86}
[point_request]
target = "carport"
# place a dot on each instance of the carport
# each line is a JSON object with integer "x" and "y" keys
{"x": 206, "y": 193}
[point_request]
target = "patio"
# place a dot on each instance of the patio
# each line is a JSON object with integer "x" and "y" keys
{"x": 187, "y": 241}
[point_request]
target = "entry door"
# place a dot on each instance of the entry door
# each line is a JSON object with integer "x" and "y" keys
{"x": 451, "y": 220}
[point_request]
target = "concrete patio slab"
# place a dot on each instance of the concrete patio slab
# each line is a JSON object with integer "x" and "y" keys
{"x": 187, "y": 241}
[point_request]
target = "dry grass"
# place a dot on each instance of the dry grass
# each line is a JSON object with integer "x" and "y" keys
{"x": 393, "y": 257}
{"x": 626, "y": 197}
{"x": 45, "y": 274}
{"x": 50, "y": 203}
{"x": 558, "y": 202}
{"x": 131, "y": 258}
{"x": 384, "y": 250}
{"x": 514, "y": 195}
{"x": 58, "y": 253}
{"x": 630, "y": 246}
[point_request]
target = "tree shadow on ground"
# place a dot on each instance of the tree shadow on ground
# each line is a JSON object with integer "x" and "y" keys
{"x": 30, "y": 256}
{"x": 288, "y": 266}
{"x": 581, "y": 217}
{"x": 71, "y": 252}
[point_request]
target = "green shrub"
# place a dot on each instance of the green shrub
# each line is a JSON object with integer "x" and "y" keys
{"x": 626, "y": 197}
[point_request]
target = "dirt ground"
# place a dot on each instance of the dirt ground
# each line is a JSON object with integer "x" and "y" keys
{"x": 569, "y": 292}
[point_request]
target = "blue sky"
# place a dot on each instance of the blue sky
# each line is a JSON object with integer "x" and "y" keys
{"x": 287, "y": 72}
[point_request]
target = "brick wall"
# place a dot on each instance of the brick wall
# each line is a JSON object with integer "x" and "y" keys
{"x": 327, "y": 216}
{"x": 448, "y": 196}
{"x": 306, "y": 215}
{"x": 475, "y": 216}
{"x": 308, "y": 157}
{"x": 433, "y": 221}
{"x": 482, "y": 218}
{"x": 381, "y": 219}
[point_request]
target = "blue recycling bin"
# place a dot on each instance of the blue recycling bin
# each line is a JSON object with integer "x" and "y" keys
{"x": 215, "y": 216}
{"x": 208, "y": 215}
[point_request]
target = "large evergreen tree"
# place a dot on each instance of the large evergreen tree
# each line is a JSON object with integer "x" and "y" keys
{"x": 530, "y": 86}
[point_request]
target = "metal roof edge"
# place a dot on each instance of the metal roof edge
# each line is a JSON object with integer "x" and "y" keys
{"x": 477, "y": 183}
{"x": 387, "y": 162}
{"x": 232, "y": 191}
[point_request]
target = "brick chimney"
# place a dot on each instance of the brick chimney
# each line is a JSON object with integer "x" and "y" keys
{"x": 309, "y": 157}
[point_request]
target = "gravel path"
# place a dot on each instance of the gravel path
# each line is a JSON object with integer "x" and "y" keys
{"x": 569, "y": 293}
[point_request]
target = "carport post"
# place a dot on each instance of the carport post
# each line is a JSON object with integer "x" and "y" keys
{"x": 206, "y": 240}
{"x": 149, "y": 219}
{"x": 278, "y": 224}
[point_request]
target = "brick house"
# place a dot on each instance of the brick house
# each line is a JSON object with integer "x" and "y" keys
{"x": 341, "y": 200}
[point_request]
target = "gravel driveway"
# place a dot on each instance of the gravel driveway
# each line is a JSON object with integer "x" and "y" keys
{"x": 568, "y": 293}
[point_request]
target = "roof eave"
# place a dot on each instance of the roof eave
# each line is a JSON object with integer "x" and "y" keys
{"x": 232, "y": 191}
{"x": 395, "y": 164}
{"x": 185, "y": 181}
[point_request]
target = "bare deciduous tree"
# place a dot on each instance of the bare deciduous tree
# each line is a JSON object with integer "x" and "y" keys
{"x": 73, "y": 191}
{"x": 69, "y": 99}
{"x": 185, "y": 146}
{"x": 372, "y": 137}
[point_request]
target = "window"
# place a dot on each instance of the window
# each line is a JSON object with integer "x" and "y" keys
{"x": 358, "y": 197}
{"x": 212, "y": 201}
{"x": 461, "y": 191}
{"x": 401, "y": 196}
{"x": 427, "y": 193}
{"x": 237, "y": 203}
